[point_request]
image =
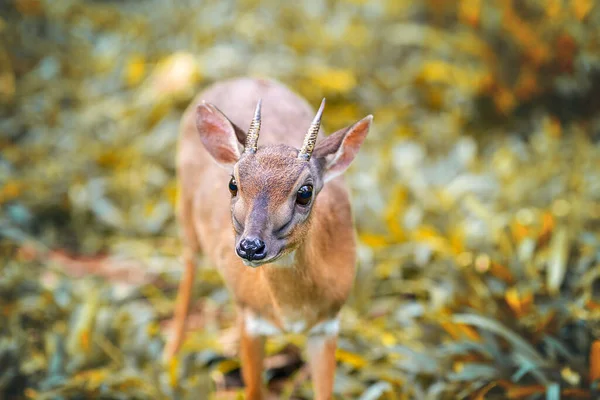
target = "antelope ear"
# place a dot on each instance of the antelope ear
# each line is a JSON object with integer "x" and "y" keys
{"x": 340, "y": 148}
{"x": 222, "y": 138}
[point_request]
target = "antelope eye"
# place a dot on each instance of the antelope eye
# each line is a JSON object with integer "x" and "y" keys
{"x": 233, "y": 187}
{"x": 304, "y": 195}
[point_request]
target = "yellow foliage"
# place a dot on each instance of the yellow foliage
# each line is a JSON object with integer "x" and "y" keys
{"x": 85, "y": 340}
{"x": 429, "y": 235}
{"x": 172, "y": 193}
{"x": 120, "y": 158}
{"x": 524, "y": 35}
{"x": 135, "y": 70}
{"x": 388, "y": 339}
{"x": 469, "y": 11}
{"x": 581, "y": 8}
{"x": 373, "y": 240}
{"x": 173, "y": 376}
{"x": 108, "y": 159}
{"x": 518, "y": 302}
{"x": 93, "y": 378}
{"x": 553, "y": 127}
{"x": 470, "y": 332}
{"x": 357, "y": 34}
{"x": 504, "y": 100}
{"x": 175, "y": 77}
{"x": 384, "y": 269}
{"x": 129, "y": 383}
{"x": 404, "y": 131}
{"x": 459, "y": 331}
{"x": 340, "y": 115}
{"x": 153, "y": 329}
{"x": 387, "y": 115}
{"x": 501, "y": 272}
{"x": 29, "y": 7}
{"x": 149, "y": 208}
{"x": 554, "y": 8}
{"x": 10, "y": 190}
{"x": 394, "y": 212}
{"x": 547, "y": 227}
{"x": 350, "y": 358}
{"x": 299, "y": 41}
{"x": 159, "y": 110}
{"x": 451, "y": 329}
{"x": 526, "y": 86}
{"x": 335, "y": 81}
{"x": 457, "y": 240}
{"x": 226, "y": 366}
{"x": 435, "y": 99}
{"x": 7, "y": 309}
{"x": 7, "y": 85}
{"x": 437, "y": 72}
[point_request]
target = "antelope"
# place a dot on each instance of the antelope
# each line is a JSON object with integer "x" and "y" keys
{"x": 274, "y": 219}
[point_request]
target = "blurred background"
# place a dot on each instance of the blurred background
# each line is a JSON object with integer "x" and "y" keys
{"x": 476, "y": 195}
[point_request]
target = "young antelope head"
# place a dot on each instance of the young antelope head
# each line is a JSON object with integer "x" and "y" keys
{"x": 274, "y": 187}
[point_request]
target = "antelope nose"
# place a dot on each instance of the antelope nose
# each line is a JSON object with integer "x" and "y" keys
{"x": 251, "y": 249}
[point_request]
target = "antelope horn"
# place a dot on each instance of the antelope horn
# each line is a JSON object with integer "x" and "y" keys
{"x": 253, "y": 131}
{"x": 311, "y": 136}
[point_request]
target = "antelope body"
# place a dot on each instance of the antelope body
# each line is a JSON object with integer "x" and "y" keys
{"x": 274, "y": 220}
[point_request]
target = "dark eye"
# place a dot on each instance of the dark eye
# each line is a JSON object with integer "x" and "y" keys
{"x": 304, "y": 195}
{"x": 233, "y": 187}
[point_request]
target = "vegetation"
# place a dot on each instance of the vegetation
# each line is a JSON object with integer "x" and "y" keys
{"x": 476, "y": 196}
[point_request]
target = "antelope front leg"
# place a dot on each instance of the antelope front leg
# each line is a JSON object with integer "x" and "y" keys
{"x": 182, "y": 305}
{"x": 321, "y": 359}
{"x": 252, "y": 355}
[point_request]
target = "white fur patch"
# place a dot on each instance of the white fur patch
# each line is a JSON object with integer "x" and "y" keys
{"x": 257, "y": 326}
{"x": 285, "y": 261}
{"x": 295, "y": 326}
{"x": 250, "y": 263}
{"x": 331, "y": 327}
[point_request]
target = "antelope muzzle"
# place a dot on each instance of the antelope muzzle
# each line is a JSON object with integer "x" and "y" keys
{"x": 251, "y": 249}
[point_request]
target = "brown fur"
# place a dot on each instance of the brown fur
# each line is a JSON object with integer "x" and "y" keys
{"x": 321, "y": 278}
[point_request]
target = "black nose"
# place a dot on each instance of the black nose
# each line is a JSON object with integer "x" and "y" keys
{"x": 251, "y": 249}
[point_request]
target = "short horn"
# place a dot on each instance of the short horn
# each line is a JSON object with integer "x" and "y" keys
{"x": 253, "y": 131}
{"x": 311, "y": 136}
